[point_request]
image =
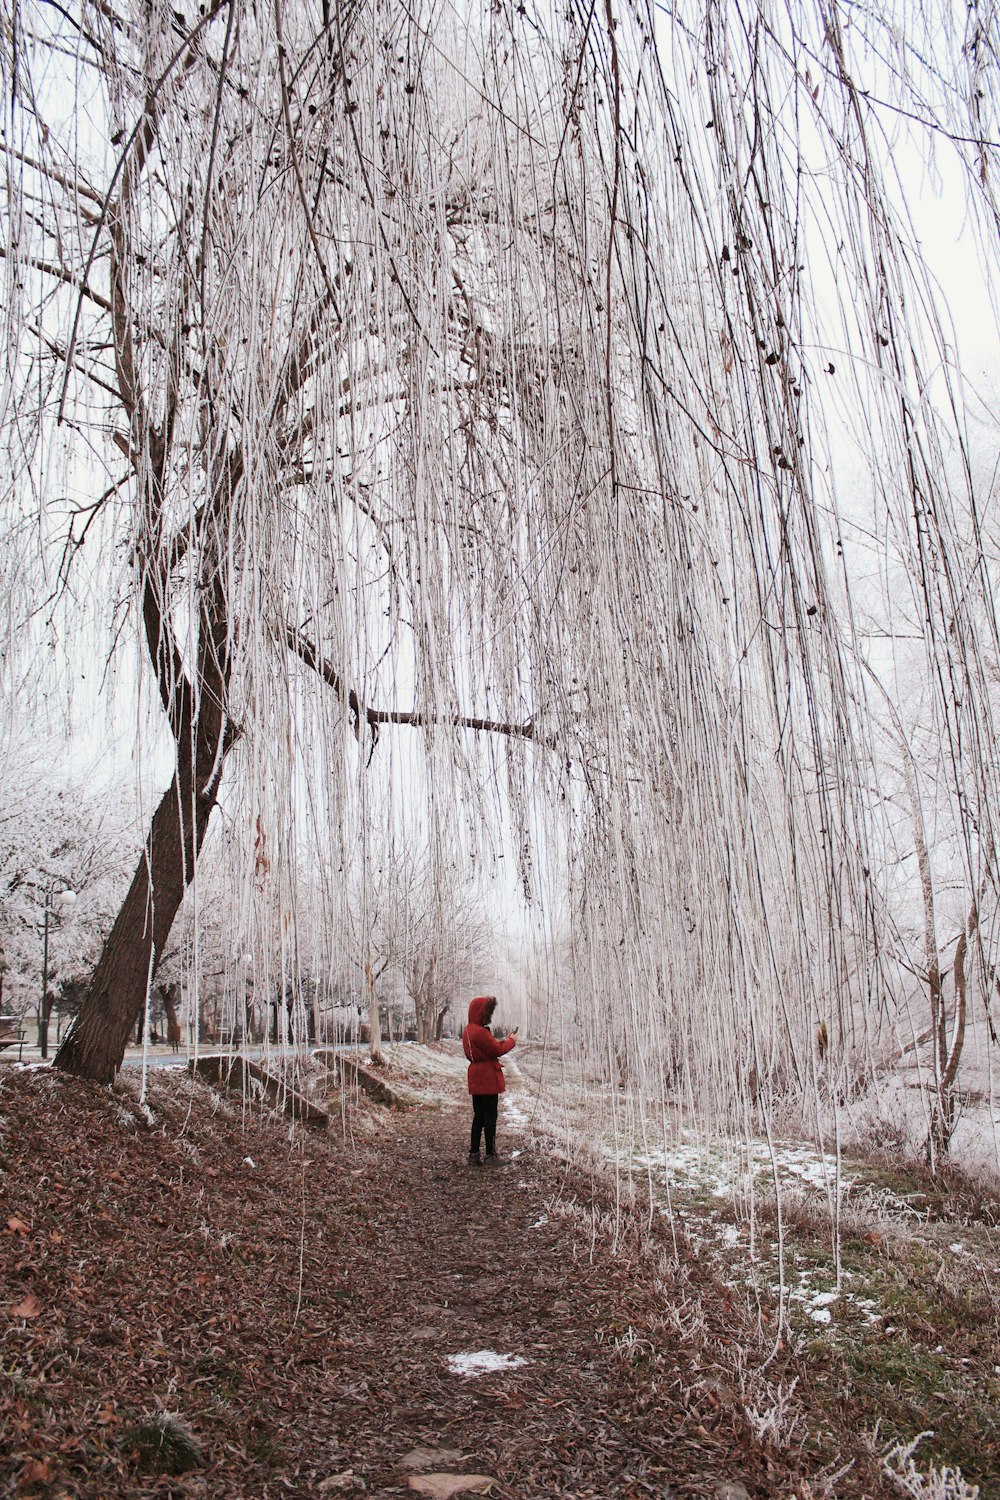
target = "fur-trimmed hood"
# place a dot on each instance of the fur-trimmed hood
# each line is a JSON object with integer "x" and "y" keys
{"x": 477, "y": 1009}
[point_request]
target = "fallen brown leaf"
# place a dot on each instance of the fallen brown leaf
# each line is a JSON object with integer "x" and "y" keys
{"x": 28, "y": 1307}
{"x": 36, "y": 1471}
{"x": 344, "y": 1481}
{"x": 443, "y": 1486}
{"x": 422, "y": 1459}
{"x": 18, "y": 1226}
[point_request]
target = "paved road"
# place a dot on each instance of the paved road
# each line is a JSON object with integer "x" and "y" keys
{"x": 162, "y": 1057}
{"x": 159, "y": 1059}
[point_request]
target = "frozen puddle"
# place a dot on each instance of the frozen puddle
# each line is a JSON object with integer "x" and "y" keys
{"x": 483, "y": 1362}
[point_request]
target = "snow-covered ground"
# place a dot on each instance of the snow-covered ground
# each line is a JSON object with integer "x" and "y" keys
{"x": 723, "y": 1172}
{"x": 898, "y": 1109}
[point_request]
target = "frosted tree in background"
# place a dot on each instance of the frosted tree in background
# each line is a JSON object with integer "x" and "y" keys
{"x": 450, "y": 952}
{"x": 502, "y": 415}
{"x": 60, "y": 829}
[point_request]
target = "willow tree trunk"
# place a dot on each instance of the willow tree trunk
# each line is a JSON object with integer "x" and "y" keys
{"x": 95, "y": 1044}
{"x": 374, "y": 1022}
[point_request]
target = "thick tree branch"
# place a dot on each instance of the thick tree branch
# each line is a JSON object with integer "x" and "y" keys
{"x": 306, "y": 651}
{"x": 71, "y": 184}
{"x": 48, "y": 269}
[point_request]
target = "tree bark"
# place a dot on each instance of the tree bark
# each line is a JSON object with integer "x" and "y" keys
{"x": 95, "y": 1044}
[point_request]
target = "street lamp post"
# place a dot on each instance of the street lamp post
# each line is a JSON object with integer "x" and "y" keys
{"x": 54, "y": 900}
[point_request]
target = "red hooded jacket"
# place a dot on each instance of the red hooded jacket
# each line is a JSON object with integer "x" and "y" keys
{"x": 484, "y": 1052}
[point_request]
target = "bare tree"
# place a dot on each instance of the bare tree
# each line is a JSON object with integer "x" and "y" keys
{"x": 405, "y": 919}
{"x": 450, "y": 944}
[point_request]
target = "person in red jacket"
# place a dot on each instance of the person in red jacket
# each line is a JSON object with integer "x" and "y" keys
{"x": 486, "y": 1080}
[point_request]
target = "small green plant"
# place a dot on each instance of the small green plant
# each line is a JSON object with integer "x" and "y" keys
{"x": 164, "y": 1445}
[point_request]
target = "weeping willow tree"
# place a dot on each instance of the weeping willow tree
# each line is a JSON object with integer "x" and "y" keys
{"x": 473, "y": 413}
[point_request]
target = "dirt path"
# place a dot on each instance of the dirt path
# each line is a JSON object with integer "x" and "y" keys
{"x": 465, "y": 1261}
{"x": 293, "y": 1302}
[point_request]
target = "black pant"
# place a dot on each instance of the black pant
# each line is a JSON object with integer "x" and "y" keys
{"x": 484, "y": 1117}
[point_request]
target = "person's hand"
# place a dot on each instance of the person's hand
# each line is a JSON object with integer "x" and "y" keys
{"x": 515, "y": 1031}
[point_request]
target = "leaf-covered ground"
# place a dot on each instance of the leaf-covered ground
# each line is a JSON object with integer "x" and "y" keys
{"x": 200, "y": 1285}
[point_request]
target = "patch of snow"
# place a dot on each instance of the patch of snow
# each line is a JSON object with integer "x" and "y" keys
{"x": 817, "y": 1304}
{"x": 690, "y": 1165}
{"x": 482, "y": 1362}
{"x": 514, "y": 1112}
